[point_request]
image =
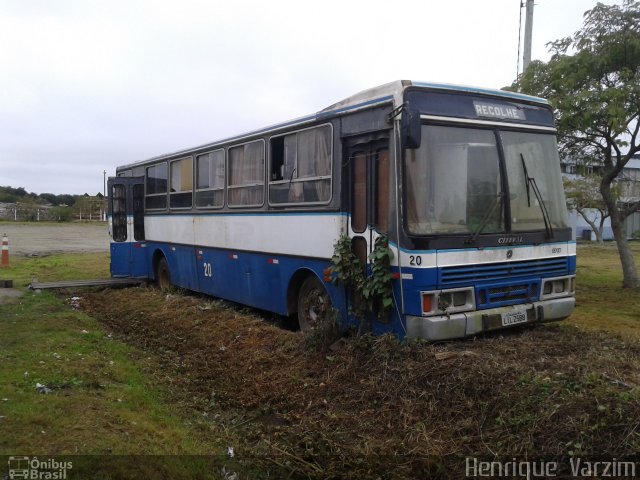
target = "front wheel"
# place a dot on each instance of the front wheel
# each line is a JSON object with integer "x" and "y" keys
{"x": 163, "y": 276}
{"x": 314, "y": 304}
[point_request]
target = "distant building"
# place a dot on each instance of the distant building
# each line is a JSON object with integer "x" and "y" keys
{"x": 629, "y": 182}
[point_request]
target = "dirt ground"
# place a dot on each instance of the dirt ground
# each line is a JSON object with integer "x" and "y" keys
{"x": 43, "y": 238}
{"x": 364, "y": 407}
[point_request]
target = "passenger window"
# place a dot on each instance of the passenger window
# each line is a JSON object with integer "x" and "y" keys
{"x": 156, "y": 186}
{"x": 210, "y": 180}
{"x": 300, "y": 167}
{"x": 181, "y": 183}
{"x": 246, "y": 175}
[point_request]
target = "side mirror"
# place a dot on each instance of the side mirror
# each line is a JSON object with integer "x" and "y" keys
{"x": 410, "y": 128}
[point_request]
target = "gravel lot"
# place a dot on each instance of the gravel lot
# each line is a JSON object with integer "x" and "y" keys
{"x": 41, "y": 238}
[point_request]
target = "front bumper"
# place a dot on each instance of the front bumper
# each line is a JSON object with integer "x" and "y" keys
{"x": 458, "y": 325}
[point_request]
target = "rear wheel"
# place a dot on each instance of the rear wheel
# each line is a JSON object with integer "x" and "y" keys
{"x": 163, "y": 276}
{"x": 314, "y": 304}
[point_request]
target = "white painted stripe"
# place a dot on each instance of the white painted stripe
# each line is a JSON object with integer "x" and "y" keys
{"x": 314, "y": 236}
{"x": 448, "y": 258}
{"x": 493, "y": 255}
{"x": 487, "y": 122}
{"x": 303, "y": 235}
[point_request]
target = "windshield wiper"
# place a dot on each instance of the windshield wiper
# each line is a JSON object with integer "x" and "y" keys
{"x": 485, "y": 220}
{"x": 530, "y": 181}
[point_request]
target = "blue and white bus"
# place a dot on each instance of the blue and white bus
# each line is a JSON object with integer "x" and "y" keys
{"x": 465, "y": 182}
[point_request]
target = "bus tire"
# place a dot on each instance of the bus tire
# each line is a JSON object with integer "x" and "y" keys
{"x": 163, "y": 275}
{"x": 314, "y": 304}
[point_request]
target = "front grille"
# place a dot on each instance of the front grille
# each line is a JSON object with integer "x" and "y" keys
{"x": 494, "y": 296}
{"x": 509, "y": 293}
{"x": 547, "y": 267}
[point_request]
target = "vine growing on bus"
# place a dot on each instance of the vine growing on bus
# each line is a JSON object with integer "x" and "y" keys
{"x": 346, "y": 270}
{"x": 372, "y": 292}
{"x": 379, "y": 288}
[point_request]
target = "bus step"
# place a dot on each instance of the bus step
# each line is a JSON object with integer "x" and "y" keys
{"x": 105, "y": 282}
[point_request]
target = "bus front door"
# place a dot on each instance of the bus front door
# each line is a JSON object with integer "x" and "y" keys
{"x": 369, "y": 196}
{"x": 126, "y": 227}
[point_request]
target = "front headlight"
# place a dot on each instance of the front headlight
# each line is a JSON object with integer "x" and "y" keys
{"x": 448, "y": 301}
{"x": 558, "y": 287}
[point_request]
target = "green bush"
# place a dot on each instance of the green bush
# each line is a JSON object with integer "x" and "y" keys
{"x": 61, "y": 214}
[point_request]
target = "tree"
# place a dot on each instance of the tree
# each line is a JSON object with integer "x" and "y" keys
{"x": 593, "y": 82}
{"x": 28, "y": 208}
{"x": 61, "y": 214}
{"x": 583, "y": 196}
{"x": 82, "y": 206}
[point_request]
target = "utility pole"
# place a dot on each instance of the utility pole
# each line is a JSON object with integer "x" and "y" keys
{"x": 528, "y": 30}
{"x": 104, "y": 196}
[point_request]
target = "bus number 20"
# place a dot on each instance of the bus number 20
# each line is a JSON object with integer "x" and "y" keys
{"x": 207, "y": 270}
{"x": 415, "y": 260}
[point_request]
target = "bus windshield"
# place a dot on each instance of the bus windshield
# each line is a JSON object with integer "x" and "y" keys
{"x": 453, "y": 182}
{"x": 533, "y": 155}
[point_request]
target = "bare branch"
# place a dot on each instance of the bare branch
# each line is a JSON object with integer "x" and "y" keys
{"x": 629, "y": 209}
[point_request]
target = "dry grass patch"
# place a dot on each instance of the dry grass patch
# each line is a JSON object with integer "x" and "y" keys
{"x": 374, "y": 406}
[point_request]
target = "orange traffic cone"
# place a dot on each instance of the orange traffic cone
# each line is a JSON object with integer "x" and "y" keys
{"x": 5, "y": 251}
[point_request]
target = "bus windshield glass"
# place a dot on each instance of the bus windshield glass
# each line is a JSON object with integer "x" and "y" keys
{"x": 453, "y": 182}
{"x": 533, "y": 157}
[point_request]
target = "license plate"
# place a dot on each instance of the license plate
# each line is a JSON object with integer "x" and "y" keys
{"x": 512, "y": 318}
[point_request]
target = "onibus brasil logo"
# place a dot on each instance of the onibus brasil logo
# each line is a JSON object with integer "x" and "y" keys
{"x": 35, "y": 469}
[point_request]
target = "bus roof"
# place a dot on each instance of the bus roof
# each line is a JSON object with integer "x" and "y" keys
{"x": 388, "y": 93}
{"x": 395, "y": 90}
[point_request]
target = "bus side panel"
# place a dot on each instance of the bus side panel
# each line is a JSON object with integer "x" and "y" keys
{"x": 120, "y": 259}
{"x": 262, "y": 280}
{"x": 394, "y": 321}
{"x": 181, "y": 261}
{"x": 140, "y": 260}
{"x": 422, "y": 280}
{"x": 256, "y": 279}
{"x": 130, "y": 259}
{"x": 185, "y": 256}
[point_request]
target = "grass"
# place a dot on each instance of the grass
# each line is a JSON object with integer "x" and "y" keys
{"x": 601, "y": 302}
{"x": 139, "y": 372}
{"x": 49, "y": 223}
{"x": 72, "y": 266}
{"x": 102, "y": 402}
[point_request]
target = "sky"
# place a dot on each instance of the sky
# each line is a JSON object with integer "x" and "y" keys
{"x": 88, "y": 85}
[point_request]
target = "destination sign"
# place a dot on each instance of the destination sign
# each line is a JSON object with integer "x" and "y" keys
{"x": 495, "y": 110}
